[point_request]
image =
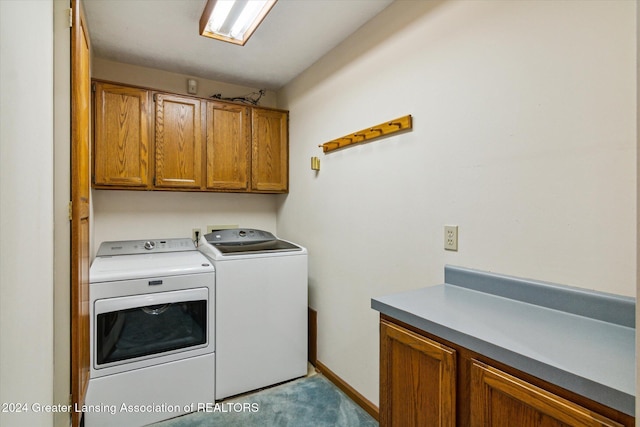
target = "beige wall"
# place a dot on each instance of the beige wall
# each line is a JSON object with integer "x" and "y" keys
{"x": 534, "y": 101}
{"x": 26, "y": 209}
{"x": 123, "y": 215}
{"x": 637, "y": 204}
{"x": 524, "y": 136}
{"x": 171, "y": 82}
{"x": 62, "y": 195}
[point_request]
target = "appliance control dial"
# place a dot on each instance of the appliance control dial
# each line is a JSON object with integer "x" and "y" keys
{"x": 242, "y": 233}
{"x": 148, "y": 245}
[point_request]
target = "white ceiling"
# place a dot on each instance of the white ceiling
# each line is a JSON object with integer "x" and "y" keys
{"x": 163, "y": 34}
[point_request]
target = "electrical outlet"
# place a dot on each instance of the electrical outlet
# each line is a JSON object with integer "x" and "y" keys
{"x": 195, "y": 234}
{"x": 451, "y": 237}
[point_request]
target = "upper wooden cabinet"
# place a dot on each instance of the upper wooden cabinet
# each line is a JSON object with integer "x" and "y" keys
{"x": 270, "y": 147}
{"x": 179, "y": 159}
{"x": 121, "y": 136}
{"x": 228, "y": 146}
{"x": 186, "y": 143}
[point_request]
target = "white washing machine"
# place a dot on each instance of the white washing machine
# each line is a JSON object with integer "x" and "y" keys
{"x": 261, "y": 309}
{"x": 152, "y": 343}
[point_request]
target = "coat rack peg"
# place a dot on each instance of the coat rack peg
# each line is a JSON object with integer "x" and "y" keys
{"x": 387, "y": 128}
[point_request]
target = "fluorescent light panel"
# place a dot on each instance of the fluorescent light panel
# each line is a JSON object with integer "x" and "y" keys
{"x": 233, "y": 21}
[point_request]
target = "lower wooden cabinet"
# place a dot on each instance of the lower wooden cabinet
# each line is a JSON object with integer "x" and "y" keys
{"x": 427, "y": 381}
{"x": 502, "y": 400}
{"x": 417, "y": 380}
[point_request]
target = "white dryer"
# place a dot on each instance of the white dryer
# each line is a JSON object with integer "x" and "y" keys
{"x": 261, "y": 309}
{"x": 152, "y": 344}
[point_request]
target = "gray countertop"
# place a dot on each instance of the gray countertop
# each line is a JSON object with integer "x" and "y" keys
{"x": 585, "y": 343}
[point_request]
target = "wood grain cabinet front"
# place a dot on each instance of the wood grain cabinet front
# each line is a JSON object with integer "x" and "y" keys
{"x": 228, "y": 147}
{"x": 417, "y": 380}
{"x": 502, "y": 400}
{"x": 185, "y": 143}
{"x": 121, "y": 136}
{"x": 178, "y": 141}
{"x": 270, "y": 147}
{"x": 428, "y": 381}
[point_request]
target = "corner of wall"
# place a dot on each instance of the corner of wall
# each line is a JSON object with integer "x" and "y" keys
{"x": 61, "y": 183}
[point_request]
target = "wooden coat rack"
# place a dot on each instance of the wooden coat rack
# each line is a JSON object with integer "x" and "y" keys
{"x": 368, "y": 134}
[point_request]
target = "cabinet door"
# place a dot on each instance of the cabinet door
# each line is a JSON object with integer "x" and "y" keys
{"x": 270, "y": 147}
{"x": 121, "y": 144}
{"x": 499, "y": 399}
{"x": 417, "y": 380}
{"x": 228, "y": 146}
{"x": 179, "y": 158}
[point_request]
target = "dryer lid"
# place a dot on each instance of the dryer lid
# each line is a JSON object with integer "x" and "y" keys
{"x": 143, "y": 266}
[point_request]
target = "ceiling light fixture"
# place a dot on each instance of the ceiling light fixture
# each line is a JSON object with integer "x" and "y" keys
{"x": 233, "y": 21}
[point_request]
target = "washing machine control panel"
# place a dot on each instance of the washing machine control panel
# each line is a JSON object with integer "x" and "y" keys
{"x": 239, "y": 236}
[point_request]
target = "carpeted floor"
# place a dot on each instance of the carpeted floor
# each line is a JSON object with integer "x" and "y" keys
{"x": 310, "y": 401}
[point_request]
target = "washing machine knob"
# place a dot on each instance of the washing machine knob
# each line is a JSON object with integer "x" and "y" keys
{"x": 149, "y": 245}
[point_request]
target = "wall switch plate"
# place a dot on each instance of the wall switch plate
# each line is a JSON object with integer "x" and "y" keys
{"x": 451, "y": 237}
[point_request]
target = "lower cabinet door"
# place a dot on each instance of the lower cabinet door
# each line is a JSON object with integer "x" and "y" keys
{"x": 417, "y": 380}
{"x": 501, "y": 400}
